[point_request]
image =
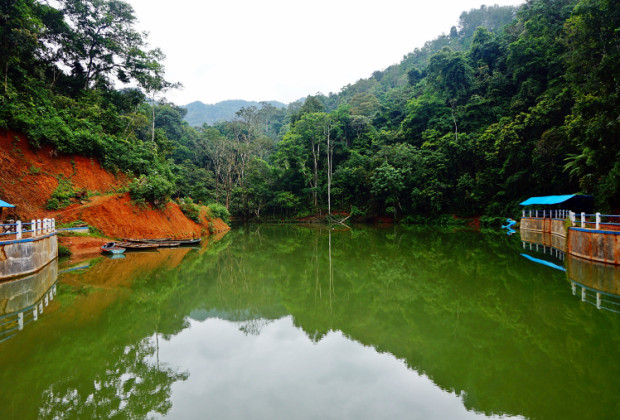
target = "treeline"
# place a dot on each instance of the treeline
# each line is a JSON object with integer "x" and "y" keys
{"x": 509, "y": 104}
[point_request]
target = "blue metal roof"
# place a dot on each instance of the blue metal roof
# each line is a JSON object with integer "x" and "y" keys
{"x": 5, "y": 204}
{"x": 551, "y": 199}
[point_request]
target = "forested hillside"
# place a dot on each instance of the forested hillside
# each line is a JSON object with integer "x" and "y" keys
{"x": 511, "y": 103}
{"x": 199, "y": 113}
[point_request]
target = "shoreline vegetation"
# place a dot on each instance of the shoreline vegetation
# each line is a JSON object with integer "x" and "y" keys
{"x": 511, "y": 102}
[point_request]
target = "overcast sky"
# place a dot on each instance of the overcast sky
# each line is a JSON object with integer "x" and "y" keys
{"x": 284, "y": 49}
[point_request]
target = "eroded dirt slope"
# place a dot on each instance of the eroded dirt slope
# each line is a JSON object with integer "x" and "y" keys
{"x": 116, "y": 216}
{"x": 29, "y": 176}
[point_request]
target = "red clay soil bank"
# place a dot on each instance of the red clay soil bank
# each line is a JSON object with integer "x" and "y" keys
{"x": 28, "y": 176}
{"x": 82, "y": 247}
{"x": 116, "y": 216}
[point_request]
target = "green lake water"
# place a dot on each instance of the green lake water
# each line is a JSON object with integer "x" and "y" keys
{"x": 300, "y": 322}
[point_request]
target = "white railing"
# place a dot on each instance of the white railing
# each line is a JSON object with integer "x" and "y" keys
{"x": 10, "y": 324}
{"x": 18, "y": 230}
{"x": 600, "y": 221}
{"x": 597, "y": 298}
{"x": 546, "y": 214}
{"x": 589, "y": 221}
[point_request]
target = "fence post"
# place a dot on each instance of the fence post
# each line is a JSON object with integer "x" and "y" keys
{"x": 18, "y": 231}
{"x": 598, "y": 300}
{"x": 536, "y": 213}
{"x": 20, "y": 320}
{"x": 571, "y": 215}
{"x": 39, "y": 227}
{"x": 583, "y": 219}
{"x": 530, "y": 212}
{"x": 33, "y": 227}
{"x": 523, "y": 213}
{"x": 53, "y": 225}
{"x": 598, "y": 221}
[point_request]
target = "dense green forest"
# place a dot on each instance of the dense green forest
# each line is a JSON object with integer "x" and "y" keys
{"x": 513, "y": 102}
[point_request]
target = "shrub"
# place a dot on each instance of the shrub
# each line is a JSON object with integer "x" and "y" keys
{"x": 153, "y": 188}
{"x": 191, "y": 210}
{"x": 62, "y": 195}
{"x": 493, "y": 222}
{"x": 441, "y": 220}
{"x": 63, "y": 251}
{"x": 218, "y": 210}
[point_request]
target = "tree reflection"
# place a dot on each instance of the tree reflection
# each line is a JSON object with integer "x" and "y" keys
{"x": 134, "y": 386}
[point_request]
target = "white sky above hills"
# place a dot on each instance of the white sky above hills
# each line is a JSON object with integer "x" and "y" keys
{"x": 284, "y": 50}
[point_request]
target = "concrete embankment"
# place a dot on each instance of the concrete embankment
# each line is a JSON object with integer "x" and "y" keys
{"x": 25, "y": 256}
{"x": 600, "y": 243}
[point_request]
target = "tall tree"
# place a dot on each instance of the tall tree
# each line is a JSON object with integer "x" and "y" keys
{"x": 451, "y": 75}
{"x": 103, "y": 43}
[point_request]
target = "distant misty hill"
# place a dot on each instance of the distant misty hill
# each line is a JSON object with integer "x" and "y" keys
{"x": 199, "y": 113}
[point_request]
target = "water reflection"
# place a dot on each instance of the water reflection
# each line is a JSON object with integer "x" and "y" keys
{"x": 599, "y": 284}
{"x": 95, "y": 354}
{"x": 23, "y": 300}
{"x": 546, "y": 243}
{"x": 595, "y": 283}
{"x": 281, "y": 373}
{"x": 284, "y": 321}
{"x": 133, "y": 386}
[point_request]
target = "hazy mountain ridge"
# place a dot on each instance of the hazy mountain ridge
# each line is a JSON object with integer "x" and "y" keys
{"x": 199, "y": 113}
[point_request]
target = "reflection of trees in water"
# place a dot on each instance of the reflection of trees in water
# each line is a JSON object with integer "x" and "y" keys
{"x": 460, "y": 307}
{"x": 132, "y": 388}
{"x": 254, "y": 326}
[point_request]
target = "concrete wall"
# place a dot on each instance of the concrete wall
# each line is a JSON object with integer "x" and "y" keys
{"x": 26, "y": 256}
{"x": 595, "y": 245}
{"x": 538, "y": 224}
{"x": 558, "y": 227}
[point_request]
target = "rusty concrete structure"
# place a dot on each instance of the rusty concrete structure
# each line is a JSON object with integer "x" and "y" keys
{"x": 552, "y": 226}
{"x": 595, "y": 237}
{"x": 25, "y": 252}
{"x": 602, "y": 246}
{"x": 592, "y": 240}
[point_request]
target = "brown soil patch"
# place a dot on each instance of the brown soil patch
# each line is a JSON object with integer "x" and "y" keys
{"x": 82, "y": 247}
{"x": 117, "y": 216}
{"x": 29, "y": 176}
{"x": 473, "y": 222}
